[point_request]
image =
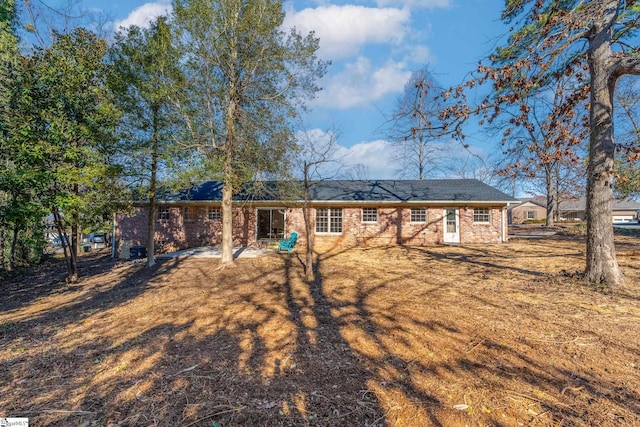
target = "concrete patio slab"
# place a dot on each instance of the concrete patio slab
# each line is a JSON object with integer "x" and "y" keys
{"x": 216, "y": 252}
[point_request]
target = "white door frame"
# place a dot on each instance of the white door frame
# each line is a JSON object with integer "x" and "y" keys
{"x": 451, "y": 229}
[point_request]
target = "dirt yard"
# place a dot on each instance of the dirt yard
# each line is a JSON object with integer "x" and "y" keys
{"x": 501, "y": 335}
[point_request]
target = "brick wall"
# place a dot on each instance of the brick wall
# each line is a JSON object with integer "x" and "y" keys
{"x": 491, "y": 232}
{"x": 394, "y": 226}
{"x": 176, "y": 233}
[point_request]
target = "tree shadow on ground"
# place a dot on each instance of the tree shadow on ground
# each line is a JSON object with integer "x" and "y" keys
{"x": 412, "y": 352}
{"x": 76, "y": 302}
{"x": 49, "y": 278}
{"x": 374, "y": 340}
{"x": 210, "y": 347}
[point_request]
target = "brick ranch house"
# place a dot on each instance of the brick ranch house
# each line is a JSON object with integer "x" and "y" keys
{"x": 343, "y": 213}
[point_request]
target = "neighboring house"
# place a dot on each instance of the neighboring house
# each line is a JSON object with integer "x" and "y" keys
{"x": 343, "y": 213}
{"x": 570, "y": 210}
{"x": 527, "y": 210}
{"x": 623, "y": 210}
{"x": 50, "y": 229}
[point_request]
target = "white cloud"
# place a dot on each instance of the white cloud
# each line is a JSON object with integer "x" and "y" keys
{"x": 423, "y": 4}
{"x": 344, "y": 30}
{"x": 142, "y": 16}
{"x": 360, "y": 84}
{"x": 365, "y": 160}
{"x": 417, "y": 54}
{"x": 375, "y": 156}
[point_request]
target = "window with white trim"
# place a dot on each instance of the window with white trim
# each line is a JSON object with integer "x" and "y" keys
{"x": 369, "y": 214}
{"x": 214, "y": 214}
{"x": 482, "y": 215}
{"x": 418, "y": 214}
{"x": 329, "y": 220}
{"x": 163, "y": 213}
{"x": 531, "y": 214}
{"x": 189, "y": 213}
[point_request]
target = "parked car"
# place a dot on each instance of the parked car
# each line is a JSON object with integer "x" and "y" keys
{"x": 98, "y": 237}
{"x": 57, "y": 241}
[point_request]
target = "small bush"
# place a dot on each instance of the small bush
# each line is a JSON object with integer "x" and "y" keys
{"x": 535, "y": 221}
{"x": 580, "y": 229}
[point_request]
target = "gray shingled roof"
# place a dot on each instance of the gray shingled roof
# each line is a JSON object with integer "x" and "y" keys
{"x": 538, "y": 201}
{"x": 432, "y": 190}
{"x": 405, "y": 191}
{"x": 580, "y": 205}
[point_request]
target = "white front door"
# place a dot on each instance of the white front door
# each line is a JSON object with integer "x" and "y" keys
{"x": 451, "y": 226}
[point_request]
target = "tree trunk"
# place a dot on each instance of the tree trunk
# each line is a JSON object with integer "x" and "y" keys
{"x": 227, "y": 224}
{"x": 12, "y": 248}
{"x": 556, "y": 204}
{"x": 2, "y": 248}
{"x": 151, "y": 228}
{"x": 73, "y": 251}
{"x": 309, "y": 273}
{"x": 228, "y": 174}
{"x": 227, "y": 208}
{"x": 64, "y": 241}
{"x": 75, "y": 233}
{"x": 421, "y": 156}
{"x": 602, "y": 266}
{"x": 153, "y": 188}
{"x": 548, "y": 177}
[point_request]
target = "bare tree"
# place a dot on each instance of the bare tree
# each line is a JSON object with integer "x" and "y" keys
{"x": 42, "y": 17}
{"x": 467, "y": 165}
{"x": 358, "y": 171}
{"x": 415, "y": 126}
{"x": 552, "y": 141}
{"x": 315, "y": 161}
{"x": 628, "y": 117}
{"x": 594, "y": 42}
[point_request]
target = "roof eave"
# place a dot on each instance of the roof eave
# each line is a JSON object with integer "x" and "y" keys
{"x": 332, "y": 202}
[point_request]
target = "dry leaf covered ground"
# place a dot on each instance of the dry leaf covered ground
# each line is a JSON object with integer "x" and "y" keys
{"x": 501, "y": 335}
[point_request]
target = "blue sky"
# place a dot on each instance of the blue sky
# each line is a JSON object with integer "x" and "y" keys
{"x": 374, "y": 45}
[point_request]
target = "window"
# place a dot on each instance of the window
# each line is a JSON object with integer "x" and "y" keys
{"x": 163, "y": 213}
{"x": 369, "y": 214}
{"x": 328, "y": 220}
{"x": 481, "y": 215}
{"x": 418, "y": 214}
{"x": 214, "y": 214}
{"x": 531, "y": 214}
{"x": 189, "y": 213}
